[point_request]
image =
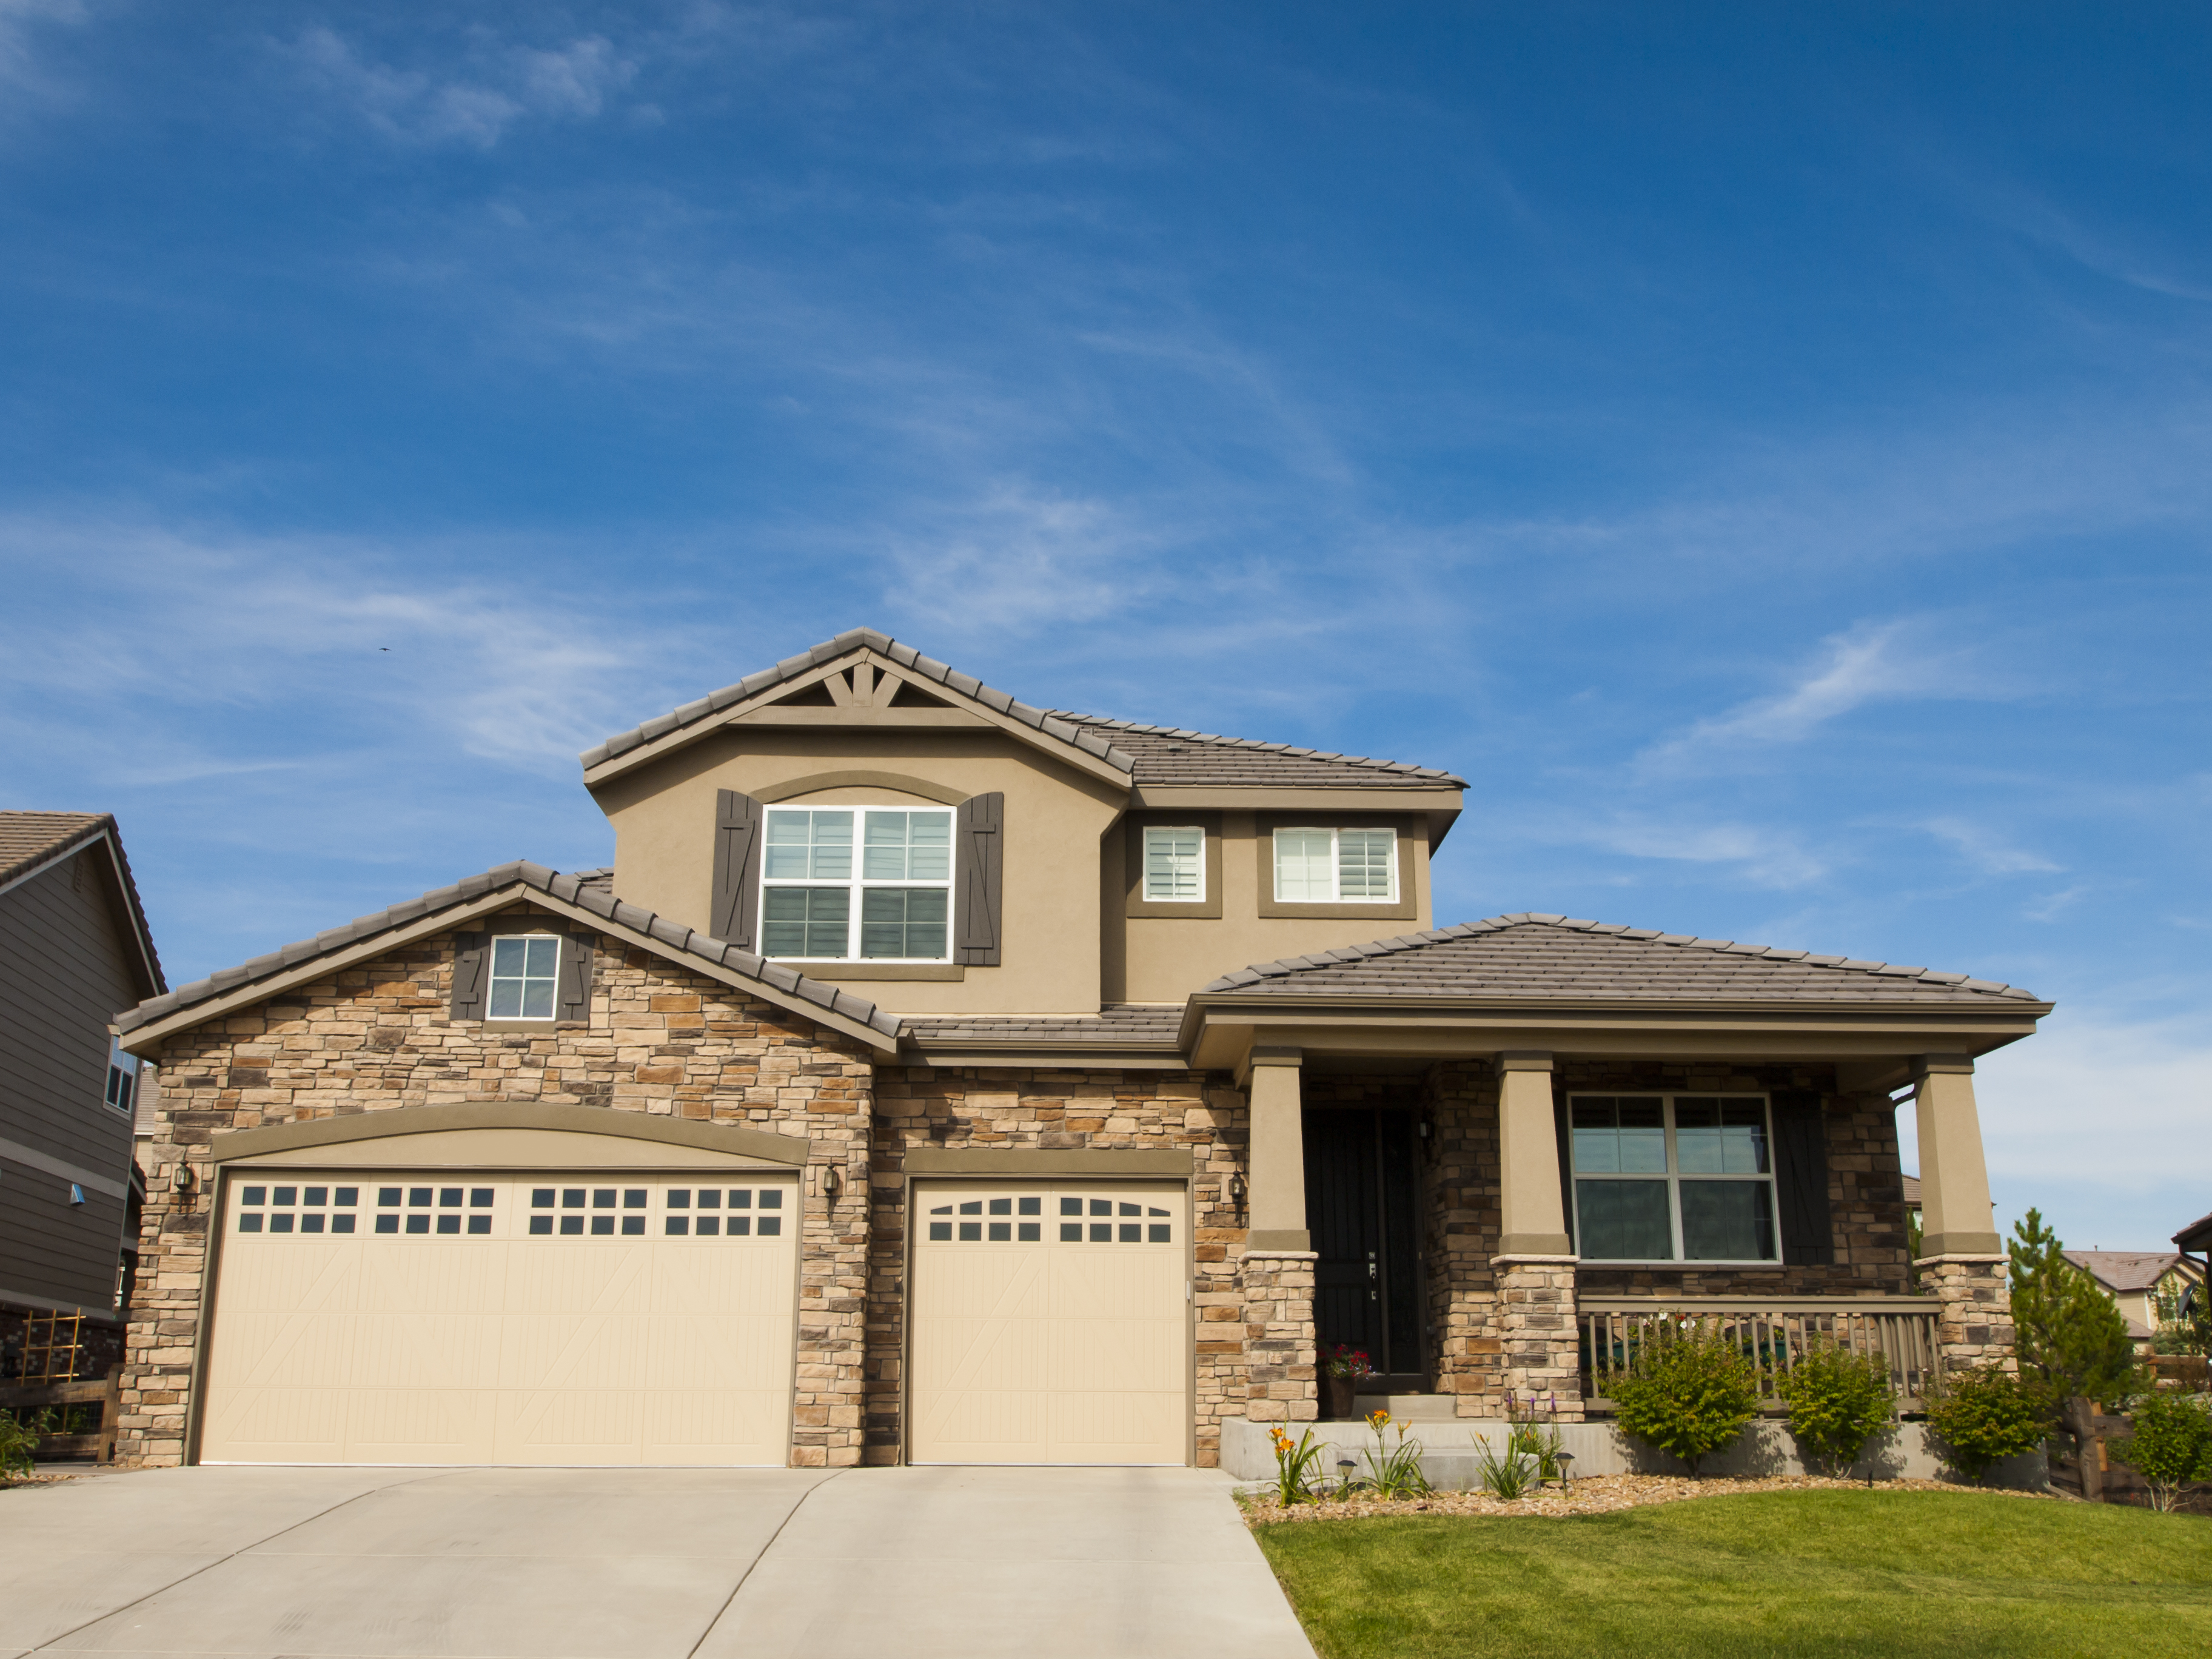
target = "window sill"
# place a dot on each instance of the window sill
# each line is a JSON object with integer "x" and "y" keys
{"x": 1676, "y": 1265}
{"x": 1360, "y": 911}
{"x": 531, "y": 1027}
{"x": 936, "y": 971}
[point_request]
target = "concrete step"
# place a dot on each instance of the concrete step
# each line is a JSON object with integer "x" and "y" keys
{"x": 1408, "y": 1407}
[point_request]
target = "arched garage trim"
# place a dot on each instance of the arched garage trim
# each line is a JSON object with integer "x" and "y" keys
{"x": 739, "y": 1139}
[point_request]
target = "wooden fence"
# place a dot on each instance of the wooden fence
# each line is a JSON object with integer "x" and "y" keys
{"x": 1772, "y": 1334}
{"x": 106, "y": 1393}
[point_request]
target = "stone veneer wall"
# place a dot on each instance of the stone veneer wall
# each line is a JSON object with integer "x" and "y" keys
{"x": 1066, "y": 1110}
{"x": 661, "y": 1041}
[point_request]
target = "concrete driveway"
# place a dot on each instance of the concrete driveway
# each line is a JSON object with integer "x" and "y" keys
{"x": 548, "y": 1563}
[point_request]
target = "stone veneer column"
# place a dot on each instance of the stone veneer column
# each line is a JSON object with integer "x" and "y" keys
{"x": 1535, "y": 1263}
{"x": 1280, "y": 1383}
{"x": 1965, "y": 1263}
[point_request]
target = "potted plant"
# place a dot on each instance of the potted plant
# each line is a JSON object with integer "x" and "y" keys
{"x": 1342, "y": 1369}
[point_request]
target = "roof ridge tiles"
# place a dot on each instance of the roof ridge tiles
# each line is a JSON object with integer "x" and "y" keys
{"x": 1461, "y": 930}
{"x": 524, "y": 874}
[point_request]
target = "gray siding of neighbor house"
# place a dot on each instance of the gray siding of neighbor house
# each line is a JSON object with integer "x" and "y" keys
{"x": 64, "y": 972}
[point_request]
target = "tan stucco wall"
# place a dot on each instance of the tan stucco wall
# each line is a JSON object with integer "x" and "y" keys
{"x": 663, "y": 820}
{"x": 1157, "y": 959}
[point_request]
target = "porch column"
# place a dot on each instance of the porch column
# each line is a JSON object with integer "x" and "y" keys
{"x": 1535, "y": 1263}
{"x": 1962, "y": 1259}
{"x": 1532, "y": 1219}
{"x": 1276, "y": 1271}
{"x": 1277, "y": 1215}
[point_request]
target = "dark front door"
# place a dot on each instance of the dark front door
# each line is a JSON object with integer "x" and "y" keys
{"x": 1362, "y": 1204}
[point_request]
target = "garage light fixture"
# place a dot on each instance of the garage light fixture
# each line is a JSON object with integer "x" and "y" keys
{"x": 1237, "y": 1191}
{"x": 833, "y": 1184}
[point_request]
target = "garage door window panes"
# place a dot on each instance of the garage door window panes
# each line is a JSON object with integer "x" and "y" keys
{"x": 723, "y": 1212}
{"x": 267, "y": 1208}
{"x": 1115, "y": 1222}
{"x": 435, "y": 1211}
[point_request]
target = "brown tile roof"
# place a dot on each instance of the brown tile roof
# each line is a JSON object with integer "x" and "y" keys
{"x": 584, "y": 889}
{"x": 28, "y": 840}
{"x": 1561, "y": 958}
{"x": 852, "y": 639}
{"x": 2125, "y": 1270}
{"x": 1118, "y": 1024}
{"x": 1169, "y": 756}
{"x": 2197, "y": 1236}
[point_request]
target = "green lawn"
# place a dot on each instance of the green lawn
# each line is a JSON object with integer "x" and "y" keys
{"x": 1812, "y": 1573}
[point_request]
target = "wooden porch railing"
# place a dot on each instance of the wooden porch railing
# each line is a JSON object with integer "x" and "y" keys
{"x": 1772, "y": 1332}
{"x": 105, "y": 1392}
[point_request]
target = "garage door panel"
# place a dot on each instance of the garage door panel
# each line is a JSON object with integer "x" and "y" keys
{"x": 1050, "y": 1324}
{"x": 447, "y": 1318}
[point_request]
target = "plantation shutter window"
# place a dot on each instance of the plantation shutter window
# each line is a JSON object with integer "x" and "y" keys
{"x": 1175, "y": 865}
{"x": 1336, "y": 866}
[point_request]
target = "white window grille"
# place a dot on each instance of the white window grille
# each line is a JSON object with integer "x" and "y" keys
{"x": 895, "y": 906}
{"x": 1336, "y": 866}
{"x": 1668, "y": 1177}
{"x": 1175, "y": 865}
{"x": 525, "y": 972}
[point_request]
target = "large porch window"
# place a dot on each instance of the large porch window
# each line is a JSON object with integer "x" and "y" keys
{"x": 1671, "y": 1177}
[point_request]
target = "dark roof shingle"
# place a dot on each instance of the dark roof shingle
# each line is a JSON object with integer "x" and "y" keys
{"x": 1558, "y": 957}
{"x": 2125, "y": 1270}
{"x": 1118, "y": 1024}
{"x": 1168, "y": 756}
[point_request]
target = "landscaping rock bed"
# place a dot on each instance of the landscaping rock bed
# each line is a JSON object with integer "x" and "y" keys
{"x": 1596, "y": 1495}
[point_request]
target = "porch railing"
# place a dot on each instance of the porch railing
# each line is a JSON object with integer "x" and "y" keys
{"x": 1773, "y": 1334}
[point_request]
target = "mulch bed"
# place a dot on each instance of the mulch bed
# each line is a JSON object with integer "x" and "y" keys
{"x": 1599, "y": 1494}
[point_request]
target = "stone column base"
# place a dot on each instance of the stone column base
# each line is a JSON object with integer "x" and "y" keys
{"x": 1537, "y": 1333}
{"x": 1974, "y": 1326}
{"x": 1280, "y": 1384}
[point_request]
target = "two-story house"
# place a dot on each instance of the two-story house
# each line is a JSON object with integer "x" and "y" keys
{"x": 935, "y": 1077}
{"x": 74, "y": 948}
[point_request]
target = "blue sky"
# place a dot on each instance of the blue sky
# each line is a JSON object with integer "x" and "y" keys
{"x": 1767, "y": 450}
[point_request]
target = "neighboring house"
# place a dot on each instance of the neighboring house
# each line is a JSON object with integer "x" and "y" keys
{"x": 937, "y": 1079}
{"x": 2134, "y": 1280}
{"x": 74, "y": 948}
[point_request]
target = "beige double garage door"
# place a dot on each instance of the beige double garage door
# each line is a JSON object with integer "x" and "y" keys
{"x": 620, "y": 1318}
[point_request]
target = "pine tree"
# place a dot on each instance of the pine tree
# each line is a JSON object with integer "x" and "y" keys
{"x": 2069, "y": 1337}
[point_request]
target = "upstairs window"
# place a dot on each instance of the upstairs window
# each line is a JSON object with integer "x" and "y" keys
{"x": 844, "y": 883}
{"x": 525, "y": 973}
{"x": 1336, "y": 866}
{"x": 1673, "y": 1178}
{"x": 1175, "y": 865}
{"x": 122, "y": 1078}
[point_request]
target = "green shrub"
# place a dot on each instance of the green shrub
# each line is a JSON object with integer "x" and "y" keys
{"x": 1508, "y": 1477}
{"x": 2172, "y": 1445}
{"x": 1837, "y": 1401}
{"x": 1986, "y": 1416}
{"x": 1688, "y": 1392}
{"x": 17, "y": 1442}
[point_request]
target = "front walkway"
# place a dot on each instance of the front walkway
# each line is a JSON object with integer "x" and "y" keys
{"x": 597, "y": 1564}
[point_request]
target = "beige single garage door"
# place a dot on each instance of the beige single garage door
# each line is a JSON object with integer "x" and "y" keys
{"x": 454, "y": 1316}
{"x": 1051, "y": 1323}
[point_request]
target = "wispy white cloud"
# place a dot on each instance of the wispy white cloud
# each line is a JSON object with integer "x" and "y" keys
{"x": 498, "y": 85}
{"x": 1766, "y": 856}
{"x": 23, "y": 72}
{"x": 1989, "y": 853}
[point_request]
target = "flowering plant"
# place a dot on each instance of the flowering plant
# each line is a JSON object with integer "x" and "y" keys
{"x": 1345, "y": 1360}
{"x": 1294, "y": 1461}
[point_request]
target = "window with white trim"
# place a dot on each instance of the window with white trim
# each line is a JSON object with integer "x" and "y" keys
{"x": 857, "y": 882}
{"x": 1336, "y": 866}
{"x": 122, "y": 1078}
{"x": 1175, "y": 863}
{"x": 1674, "y": 1178}
{"x": 525, "y": 978}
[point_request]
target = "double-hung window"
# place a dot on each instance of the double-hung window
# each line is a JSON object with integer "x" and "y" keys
{"x": 1673, "y": 1178}
{"x": 1336, "y": 866}
{"x": 1175, "y": 865}
{"x": 525, "y": 978}
{"x": 865, "y": 882}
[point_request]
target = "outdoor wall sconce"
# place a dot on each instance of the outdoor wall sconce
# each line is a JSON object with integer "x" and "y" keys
{"x": 1236, "y": 1192}
{"x": 833, "y": 1184}
{"x": 182, "y": 1181}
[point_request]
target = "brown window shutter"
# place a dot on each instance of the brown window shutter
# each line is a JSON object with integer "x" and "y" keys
{"x": 736, "y": 867}
{"x": 576, "y": 978}
{"x": 471, "y": 967}
{"x": 978, "y": 834}
{"x": 1801, "y": 1175}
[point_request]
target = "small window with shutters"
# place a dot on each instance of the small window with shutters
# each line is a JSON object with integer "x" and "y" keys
{"x": 525, "y": 978}
{"x": 528, "y": 974}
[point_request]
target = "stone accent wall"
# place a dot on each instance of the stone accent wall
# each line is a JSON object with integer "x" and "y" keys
{"x": 1065, "y": 1110}
{"x": 1539, "y": 1355}
{"x": 1281, "y": 1383}
{"x": 1462, "y": 1220}
{"x": 661, "y": 1041}
{"x": 1974, "y": 1327}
